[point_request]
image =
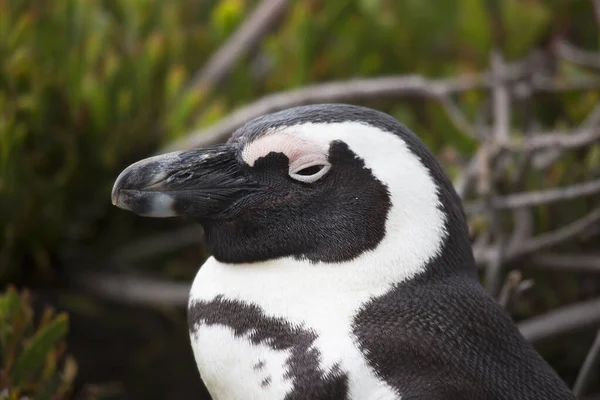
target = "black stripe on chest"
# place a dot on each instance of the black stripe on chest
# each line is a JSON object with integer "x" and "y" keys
{"x": 249, "y": 321}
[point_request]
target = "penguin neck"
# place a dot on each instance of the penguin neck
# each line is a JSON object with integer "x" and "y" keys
{"x": 285, "y": 279}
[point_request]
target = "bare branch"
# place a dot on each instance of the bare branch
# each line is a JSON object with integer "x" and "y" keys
{"x": 136, "y": 290}
{"x": 544, "y": 84}
{"x": 596, "y": 4}
{"x": 585, "y": 374}
{"x": 249, "y": 33}
{"x": 527, "y": 199}
{"x": 565, "y": 262}
{"x": 465, "y": 180}
{"x": 484, "y": 254}
{"x": 568, "y": 319}
{"x": 358, "y": 89}
{"x": 511, "y": 283}
{"x": 585, "y": 58}
{"x": 457, "y": 116}
{"x": 559, "y": 140}
{"x": 501, "y": 102}
{"x": 523, "y": 224}
{"x": 163, "y": 243}
{"x": 587, "y": 133}
{"x": 557, "y": 236}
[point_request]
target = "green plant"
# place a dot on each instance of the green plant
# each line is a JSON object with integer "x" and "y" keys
{"x": 33, "y": 355}
{"x": 85, "y": 88}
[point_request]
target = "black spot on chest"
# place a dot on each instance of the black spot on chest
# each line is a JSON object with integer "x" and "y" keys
{"x": 309, "y": 381}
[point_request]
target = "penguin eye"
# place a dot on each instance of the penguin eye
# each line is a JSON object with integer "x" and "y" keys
{"x": 309, "y": 173}
{"x": 310, "y": 170}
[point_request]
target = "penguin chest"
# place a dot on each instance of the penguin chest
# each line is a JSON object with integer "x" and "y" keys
{"x": 235, "y": 366}
{"x": 243, "y": 355}
{"x": 259, "y": 335}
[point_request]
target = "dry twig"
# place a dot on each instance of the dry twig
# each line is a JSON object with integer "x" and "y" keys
{"x": 543, "y": 241}
{"x": 557, "y": 236}
{"x": 377, "y": 88}
{"x": 585, "y": 58}
{"x": 565, "y": 262}
{"x": 163, "y": 243}
{"x": 501, "y": 111}
{"x": 535, "y": 198}
{"x": 511, "y": 284}
{"x": 567, "y": 319}
{"x": 358, "y": 89}
{"x": 457, "y": 117}
{"x": 560, "y": 140}
{"x": 249, "y": 33}
{"x": 135, "y": 290}
{"x": 585, "y": 374}
{"x": 596, "y": 5}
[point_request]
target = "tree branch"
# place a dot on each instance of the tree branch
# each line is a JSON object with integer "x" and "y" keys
{"x": 523, "y": 224}
{"x": 564, "y": 262}
{"x": 354, "y": 90}
{"x": 557, "y": 236}
{"x": 596, "y": 5}
{"x": 501, "y": 102}
{"x": 465, "y": 180}
{"x": 585, "y": 374}
{"x": 163, "y": 243}
{"x": 249, "y": 33}
{"x": 484, "y": 254}
{"x": 457, "y": 117}
{"x": 134, "y": 289}
{"x": 568, "y": 319}
{"x": 358, "y": 89}
{"x": 560, "y": 140}
{"x": 527, "y": 199}
{"x": 576, "y": 55}
{"x": 513, "y": 287}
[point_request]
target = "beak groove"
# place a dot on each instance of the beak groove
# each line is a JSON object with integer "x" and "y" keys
{"x": 197, "y": 183}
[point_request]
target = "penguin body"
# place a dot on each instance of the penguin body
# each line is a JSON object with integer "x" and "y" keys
{"x": 341, "y": 269}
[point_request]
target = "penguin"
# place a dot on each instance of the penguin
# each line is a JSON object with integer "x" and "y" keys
{"x": 341, "y": 266}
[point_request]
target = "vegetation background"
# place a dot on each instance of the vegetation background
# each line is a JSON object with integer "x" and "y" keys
{"x": 505, "y": 92}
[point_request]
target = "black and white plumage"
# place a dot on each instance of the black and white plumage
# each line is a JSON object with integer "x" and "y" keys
{"x": 341, "y": 268}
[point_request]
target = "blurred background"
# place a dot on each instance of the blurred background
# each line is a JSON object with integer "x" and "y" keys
{"x": 93, "y": 298}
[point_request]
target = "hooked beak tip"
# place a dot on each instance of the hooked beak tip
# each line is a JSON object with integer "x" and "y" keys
{"x": 116, "y": 190}
{"x": 115, "y": 196}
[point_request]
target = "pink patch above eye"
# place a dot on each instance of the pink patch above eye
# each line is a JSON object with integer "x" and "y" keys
{"x": 297, "y": 150}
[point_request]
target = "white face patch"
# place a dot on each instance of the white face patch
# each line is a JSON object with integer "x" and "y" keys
{"x": 162, "y": 206}
{"x": 326, "y": 298}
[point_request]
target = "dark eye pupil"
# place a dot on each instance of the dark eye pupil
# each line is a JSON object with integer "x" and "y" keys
{"x": 310, "y": 170}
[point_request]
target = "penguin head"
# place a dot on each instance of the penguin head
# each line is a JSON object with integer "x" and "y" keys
{"x": 327, "y": 183}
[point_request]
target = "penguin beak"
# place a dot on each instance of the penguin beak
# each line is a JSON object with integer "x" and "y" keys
{"x": 198, "y": 183}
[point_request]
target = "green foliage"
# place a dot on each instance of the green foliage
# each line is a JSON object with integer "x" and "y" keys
{"x": 33, "y": 359}
{"x": 85, "y": 86}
